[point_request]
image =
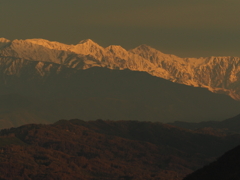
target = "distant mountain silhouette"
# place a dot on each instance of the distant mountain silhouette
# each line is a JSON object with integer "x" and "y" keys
{"x": 231, "y": 125}
{"x": 106, "y": 150}
{"x": 108, "y": 94}
{"x": 227, "y": 167}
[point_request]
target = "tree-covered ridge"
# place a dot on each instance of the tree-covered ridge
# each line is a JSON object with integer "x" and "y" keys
{"x": 100, "y": 149}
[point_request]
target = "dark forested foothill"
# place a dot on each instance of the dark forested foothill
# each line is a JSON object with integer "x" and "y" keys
{"x": 93, "y": 150}
{"x": 227, "y": 167}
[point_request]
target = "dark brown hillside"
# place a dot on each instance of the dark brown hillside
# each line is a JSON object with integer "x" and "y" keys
{"x": 100, "y": 149}
{"x": 227, "y": 167}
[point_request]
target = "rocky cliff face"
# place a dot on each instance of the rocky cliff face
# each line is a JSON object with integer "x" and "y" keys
{"x": 218, "y": 74}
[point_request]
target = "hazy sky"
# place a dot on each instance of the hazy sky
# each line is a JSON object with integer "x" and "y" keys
{"x": 181, "y": 27}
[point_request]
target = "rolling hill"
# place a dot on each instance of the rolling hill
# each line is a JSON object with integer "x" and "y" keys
{"x": 100, "y": 149}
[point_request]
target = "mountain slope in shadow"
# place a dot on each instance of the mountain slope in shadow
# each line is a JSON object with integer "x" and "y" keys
{"x": 110, "y": 94}
{"x": 225, "y": 168}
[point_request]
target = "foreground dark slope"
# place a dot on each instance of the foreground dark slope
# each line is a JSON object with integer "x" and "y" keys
{"x": 99, "y": 149}
{"x": 107, "y": 94}
{"x": 230, "y": 125}
{"x": 227, "y": 167}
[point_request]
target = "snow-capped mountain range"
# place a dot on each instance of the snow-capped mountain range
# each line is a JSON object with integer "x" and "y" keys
{"x": 218, "y": 74}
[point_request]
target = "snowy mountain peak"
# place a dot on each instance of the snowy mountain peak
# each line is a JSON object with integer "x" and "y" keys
{"x": 146, "y": 51}
{"x": 38, "y": 45}
{"x": 40, "y": 41}
{"x": 4, "y": 40}
{"x": 88, "y": 47}
{"x": 154, "y": 56}
{"x": 143, "y": 47}
{"x": 87, "y": 41}
{"x": 49, "y": 44}
{"x": 115, "y": 49}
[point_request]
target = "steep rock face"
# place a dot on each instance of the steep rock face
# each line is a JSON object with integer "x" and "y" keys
{"x": 218, "y": 74}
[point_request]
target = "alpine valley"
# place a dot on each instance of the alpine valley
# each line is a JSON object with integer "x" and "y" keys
{"x": 44, "y": 81}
